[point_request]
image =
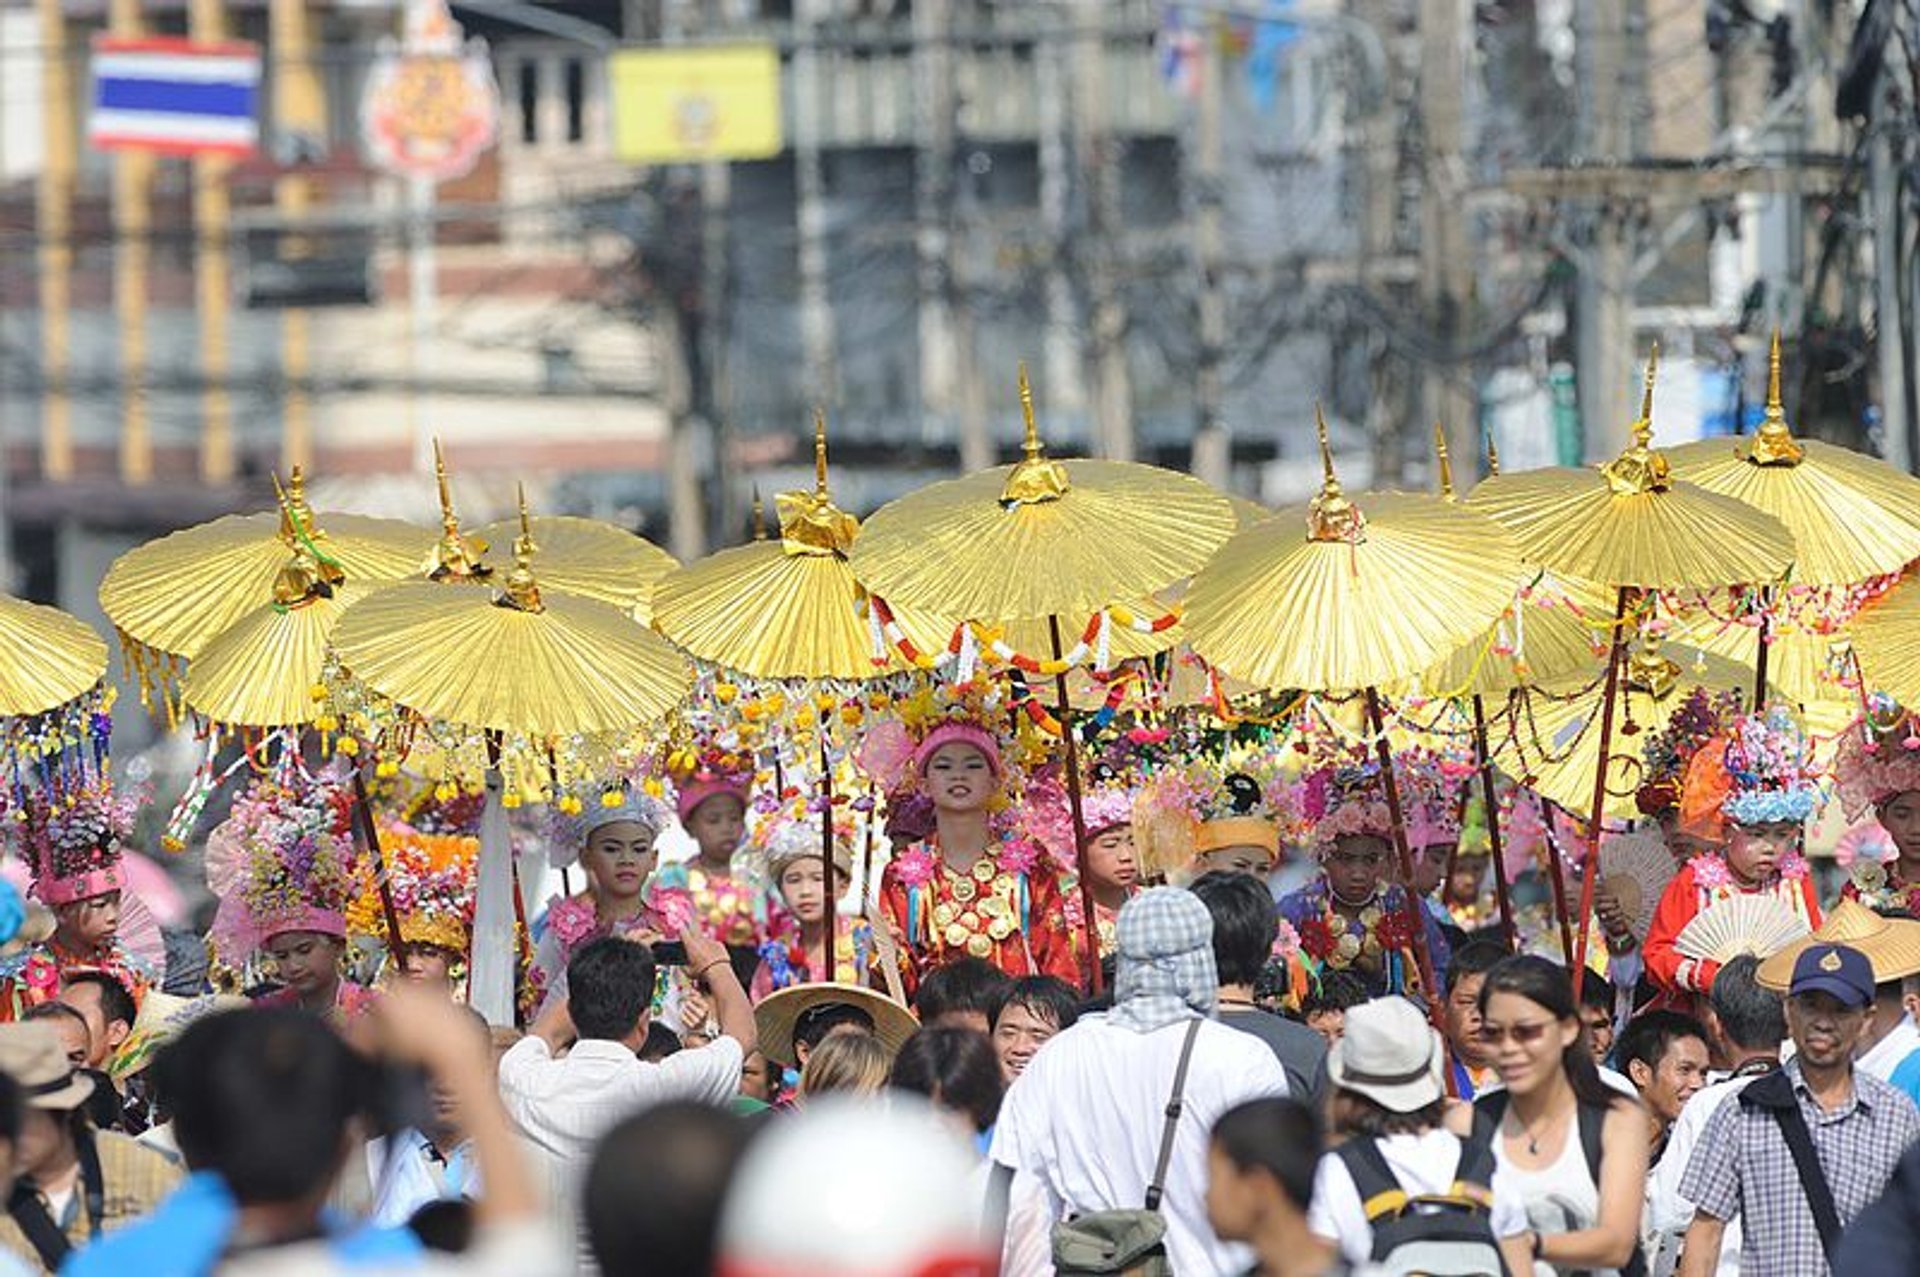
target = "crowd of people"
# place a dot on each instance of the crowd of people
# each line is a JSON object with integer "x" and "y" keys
{"x": 1270, "y": 1020}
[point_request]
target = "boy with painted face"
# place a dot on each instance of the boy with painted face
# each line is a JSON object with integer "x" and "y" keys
{"x": 729, "y": 902}
{"x": 1753, "y": 783}
{"x": 798, "y": 955}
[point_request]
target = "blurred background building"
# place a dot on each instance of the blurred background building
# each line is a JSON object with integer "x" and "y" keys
{"x": 1191, "y": 220}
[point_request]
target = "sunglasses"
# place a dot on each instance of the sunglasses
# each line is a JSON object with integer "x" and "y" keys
{"x": 1525, "y": 1033}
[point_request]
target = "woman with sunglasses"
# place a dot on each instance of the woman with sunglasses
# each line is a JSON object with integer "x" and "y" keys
{"x": 1574, "y": 1148}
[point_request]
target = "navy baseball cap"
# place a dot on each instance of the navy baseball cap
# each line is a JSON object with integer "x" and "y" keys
{"x": 1834, "y": 968}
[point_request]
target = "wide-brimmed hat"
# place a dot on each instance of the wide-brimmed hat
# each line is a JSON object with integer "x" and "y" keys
{"x": 775, "y": 1018}
{"x": 164, "y": 1017}
{"x": 32, "y": 1055}
{"x": 1891, "y": 945}
{"x": 1391, "y": 1055}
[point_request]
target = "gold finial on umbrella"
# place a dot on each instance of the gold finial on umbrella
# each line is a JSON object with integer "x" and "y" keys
{"x": 523, "y": 592}
{"x": 1441, "y": 460}
{"x": 456, "y": 556}
{"x": 1035, "y": 479}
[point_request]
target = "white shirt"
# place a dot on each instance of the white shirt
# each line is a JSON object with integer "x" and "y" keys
{"x": 1668, "y": 1212}
{"x": 1086, "y": 1116}
{"x": 408, "y": 1176}
{"x": 519, "y": 1249}
{"x": 1423, "y": 1163}
{"x": 1886, "y": 1055}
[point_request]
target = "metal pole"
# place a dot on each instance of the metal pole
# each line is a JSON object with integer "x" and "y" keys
{"x": 1884, "y": 216}
{"x": 1212, "y": 444}
{"x": 132, "y": 232}
{"x": 422, "y": 285}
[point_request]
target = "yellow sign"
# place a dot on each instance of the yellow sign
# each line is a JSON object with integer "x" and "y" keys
{"x": 677, "y": 106}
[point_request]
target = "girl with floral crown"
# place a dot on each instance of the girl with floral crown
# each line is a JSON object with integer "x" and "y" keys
{"x": 612, "y": 836}
{"x": 73, "y": 837}
{"x": 1354, "y": 917}
{"x": 284, "y": 866}
{"x": 797, "y": 953}
{"x": 729, "y": 898}
{"x": 1750, "y": 789}
{"x": 1878, "y": 769}
{"x": 974, "y": 887}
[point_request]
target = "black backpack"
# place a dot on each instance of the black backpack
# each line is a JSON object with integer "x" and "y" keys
{"x": 1490, "y": 1108}
{"x": 1446, "y": 1234}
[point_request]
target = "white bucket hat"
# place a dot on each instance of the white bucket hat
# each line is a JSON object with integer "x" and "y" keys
{"x": 1391, "y": 1055}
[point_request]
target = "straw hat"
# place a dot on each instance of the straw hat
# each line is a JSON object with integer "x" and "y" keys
{"x": 31, "y": 1055}
{"x": 775, "y": 1018}
{"x": 163, "y": 1017}
{"x": 1892, "y": 945}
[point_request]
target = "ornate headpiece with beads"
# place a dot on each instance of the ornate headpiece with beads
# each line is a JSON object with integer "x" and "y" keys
{"x": 1699, "y": 718}
{"x": 72, "y": 837}
{"x": 1345, "y": 800}
{"x": 1191, "y": 808}
{"x": 1879, "y": 757}
{"x": 283, "y": 860}
{"x": 573, "y": 817}
{"x": 1757, "y": 773}
{"x": 1430, "y": 795}
{"x": 431, "y": 880}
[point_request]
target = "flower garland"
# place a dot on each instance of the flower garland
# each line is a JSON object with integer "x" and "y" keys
{"x": 1711, "y": 871}
{"x": 1380, "y": 929}
{"x": 920, "y": 864}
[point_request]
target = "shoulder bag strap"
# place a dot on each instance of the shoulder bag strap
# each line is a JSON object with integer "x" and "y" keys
{"x": 92, "y": 1182}
{"x": 1813, "y": 1176}
{"x": 1379, "y": 1189}
{"x": 30, "y": 1213}
{"x": 1175, "y": 1103}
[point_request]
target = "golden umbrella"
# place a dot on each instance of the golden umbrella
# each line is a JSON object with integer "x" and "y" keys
{"x": 1886, "y": 638}
{"x": 1365, "y": 597}
{"x": 1042, "y": 539}
{"x": 1852, "y": 516}
{"x": 1631, "y": 526}
{"x": 593, "y": 559}
{"x": 170, "y": 597}
{"x": 47, "y": 658}
{"x": 1549, "y": 735}
{"x": 786, "y": 609}
{"x": 512, "y": 660}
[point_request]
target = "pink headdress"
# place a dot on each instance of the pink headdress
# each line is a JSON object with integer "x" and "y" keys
{"x": 283, "y": 860}
{"x": 1879, "y": 758}
{"x": 950, "y": 731}
{"x": 709, "y": 774}
{"x": 1430, "y": 797}
{"x": 72, "y": 836}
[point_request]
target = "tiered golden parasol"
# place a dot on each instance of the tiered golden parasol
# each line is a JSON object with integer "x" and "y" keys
{"x": 594, "y": 560}
{"x": 171, "y": 597}
{"x": 1630, "y": 526}
{"x": 1327, "y": 597}
{"x": 1886, "y": 639}
{"x": 1042, "y": 540}
{"x": 47, "y": 658}
{"x": 1853, "y": 517}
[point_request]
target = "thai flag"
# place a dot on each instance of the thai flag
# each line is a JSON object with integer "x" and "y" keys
{"x": 178, "y": 97}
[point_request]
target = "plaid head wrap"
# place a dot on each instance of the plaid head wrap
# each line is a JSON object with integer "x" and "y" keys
{"x": 1164, "y": 971}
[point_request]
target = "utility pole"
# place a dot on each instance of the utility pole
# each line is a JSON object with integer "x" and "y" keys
{"x": 1604, "y": 324}
{"x": 810, "y": 183}
{"x": 1100, "y": 169}
{"x": 1446, "y": 255}
{"x": 53, "y": 215}
{"x": 132, "y": 254}
{"x": 1883, "y": 215}
{"x": 1212, "y": 444}
{"x": 299, "y": 112}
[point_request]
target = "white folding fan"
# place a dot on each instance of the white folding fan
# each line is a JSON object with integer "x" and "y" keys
{"x": 1759, "y": 925}
{"x": 1636, "y": 867}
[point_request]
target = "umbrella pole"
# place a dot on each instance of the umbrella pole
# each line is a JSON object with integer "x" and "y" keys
{"x": 826, "y": 862}
{"x": 1760, "y": 658}
{"x": 1591, "y": 874}
{"x": 370, "y": 834}
{"x": 1493, "y": 820}
{"x": 1557, "y": 877}
{"x": 1090, "y": 932}
{"x": 1418, "y": 920}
